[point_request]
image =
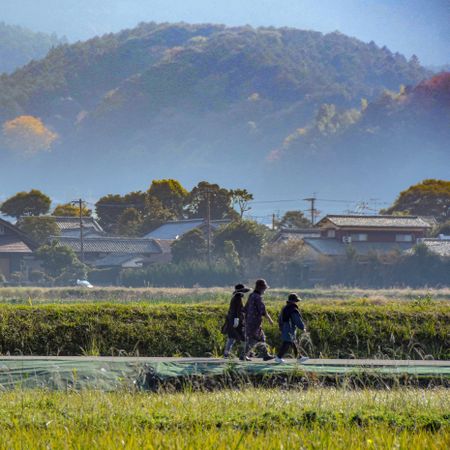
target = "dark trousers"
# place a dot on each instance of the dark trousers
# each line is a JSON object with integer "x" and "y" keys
{"x": 285, "y": 346}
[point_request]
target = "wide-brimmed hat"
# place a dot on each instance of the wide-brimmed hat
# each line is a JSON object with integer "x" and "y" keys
{"x": 293, "y": 298}
{"x": 261, "y": 284}
{"x": 240, "y": 288}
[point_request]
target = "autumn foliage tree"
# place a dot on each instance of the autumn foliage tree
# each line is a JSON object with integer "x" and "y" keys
{"x": 27, "y": 135}
{"x": 71, "y": 210}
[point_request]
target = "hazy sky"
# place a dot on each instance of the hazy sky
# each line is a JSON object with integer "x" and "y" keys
{"x": 408, "y": 26}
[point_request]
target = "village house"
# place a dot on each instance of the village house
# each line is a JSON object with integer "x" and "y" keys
{"x": 70, "y": 226}
{"x": 366, "y": 234}
{"x": 15, "y": 249}
{"x": 118, "y": 251}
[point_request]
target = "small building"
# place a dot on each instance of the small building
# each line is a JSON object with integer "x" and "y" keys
{"x": 175, "y": 229}
{"x": 15, "y": 248}
{"x": 70, "y": 226}
{"x": 366, "y": 234}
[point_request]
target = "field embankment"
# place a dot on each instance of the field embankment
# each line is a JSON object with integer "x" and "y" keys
{"x": 251, "y": 419}
{"x": 359, "y": 328}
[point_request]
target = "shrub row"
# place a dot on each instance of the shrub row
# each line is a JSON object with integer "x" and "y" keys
{"x": 396, "y": 330}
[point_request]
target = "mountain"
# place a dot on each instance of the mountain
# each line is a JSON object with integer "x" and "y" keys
{"x": 398, "y": 138}
{"x": 18, "y": 46}
{"x": 187, "y": 101}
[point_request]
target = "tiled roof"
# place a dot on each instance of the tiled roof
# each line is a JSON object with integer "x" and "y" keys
{"x": 164, "y": 244}
{"x": 332, "y": 247}
{"x": 175, "y": 229}
{"x": 113, "y": 244}
{"x": 297, "y": 234}
{"x": 73, "y": 223}
{"x": 115, "y": 260}
{"x": 376, "y": 221}
{"x": 440, "y": 247}
{"x": 13, "y": 244}
{"x": 17, "y": 235}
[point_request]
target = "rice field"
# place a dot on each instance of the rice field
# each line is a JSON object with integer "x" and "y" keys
{"x": 322, "y": 418}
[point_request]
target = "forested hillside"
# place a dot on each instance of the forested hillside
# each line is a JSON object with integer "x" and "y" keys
{"x": 18, "y": 46}
{"x": 204, "y": 96}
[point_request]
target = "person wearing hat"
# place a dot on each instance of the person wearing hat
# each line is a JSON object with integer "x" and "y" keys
{"x": 289, "y": 320}
{"x": 234, "y": 322}
{"x": 255, "y": 310}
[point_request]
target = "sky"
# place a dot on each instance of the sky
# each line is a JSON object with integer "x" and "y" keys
{"x": 420, "y": 27}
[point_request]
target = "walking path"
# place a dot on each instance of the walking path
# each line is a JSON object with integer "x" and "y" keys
{"x": 112, "y": 373}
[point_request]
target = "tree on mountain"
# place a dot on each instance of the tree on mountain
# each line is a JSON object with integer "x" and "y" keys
{"x": 27, "y": 135}
{"x": 294, "y": 219}
{"x": 191, "y": 246}
{"x": 428, "y": 198}
{"x": 71, "y": 210}
{"x": 33, "y": 203}
{"x": 39, "y": 229}
{"x": 171, "y": 194}
{"x": 219, "y": 201}
{"x": 241, "y": 199}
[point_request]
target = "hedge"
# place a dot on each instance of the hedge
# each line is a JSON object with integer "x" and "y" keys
{"x": 397, "y": 330}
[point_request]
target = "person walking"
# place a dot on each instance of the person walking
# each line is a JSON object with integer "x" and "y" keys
{"x": 235, "y": 320}
{"x": 289, "y": 321}
{"x": 255, "y": 310}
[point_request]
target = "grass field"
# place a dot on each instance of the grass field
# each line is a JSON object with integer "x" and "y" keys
{"x": 25, "y": 295}
{"x": 322, "y": 418}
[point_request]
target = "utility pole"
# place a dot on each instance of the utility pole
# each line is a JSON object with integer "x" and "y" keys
{"x": 312, "y": 209}
{"x": 208, "y": 225}
{"x": 80, "y": 204}
{"x": 273, "y": 221}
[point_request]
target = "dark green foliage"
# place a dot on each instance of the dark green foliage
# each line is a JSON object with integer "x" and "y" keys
{"x": 191, "y": 246}
{"x": 186, "y": 274}
{"x": 60, "y": 261}
{"x": 294, "y": 219}
{"x": 247, "y": 236}
{"x": 427, "y": 198}
{"x": 33, "y": 203}
{"x": 399, "y": 330}
{"x": 219, "y": 201}
{"x": 39, "y": 229}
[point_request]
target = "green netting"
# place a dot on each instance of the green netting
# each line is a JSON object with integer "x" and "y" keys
{"x": 110, "y": 374}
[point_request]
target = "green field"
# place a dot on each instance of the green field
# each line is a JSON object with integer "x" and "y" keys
{"x": 25, "y": 295}
{"x": 323, "y": 418}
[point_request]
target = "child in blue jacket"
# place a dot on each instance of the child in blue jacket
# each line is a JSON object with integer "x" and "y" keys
{"x": 290, "y": 319}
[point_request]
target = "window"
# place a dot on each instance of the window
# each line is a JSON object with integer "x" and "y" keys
{"x": 331, "y": 233}
{"x": 2, "y": 229}
{"x": 403, "y": 238}
{"x": 359, "y": 237}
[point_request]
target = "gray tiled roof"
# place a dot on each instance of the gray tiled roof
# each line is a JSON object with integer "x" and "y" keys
{"x": 332, "y": 247}
{"x": 297, "y": 234}
{"x": 112, "y": 244}
{"x": 73, "y": 223}
{"x": 115, "y": 260}
{"x": 13, "y": 244}
{"x": 440, "y": 247}
{"x": 377, "y": 221}
{"x": 175, "y": 229}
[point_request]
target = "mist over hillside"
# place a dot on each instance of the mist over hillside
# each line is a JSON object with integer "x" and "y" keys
{"x": 18, "y": 46}
{"x": 211, "y": 102}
